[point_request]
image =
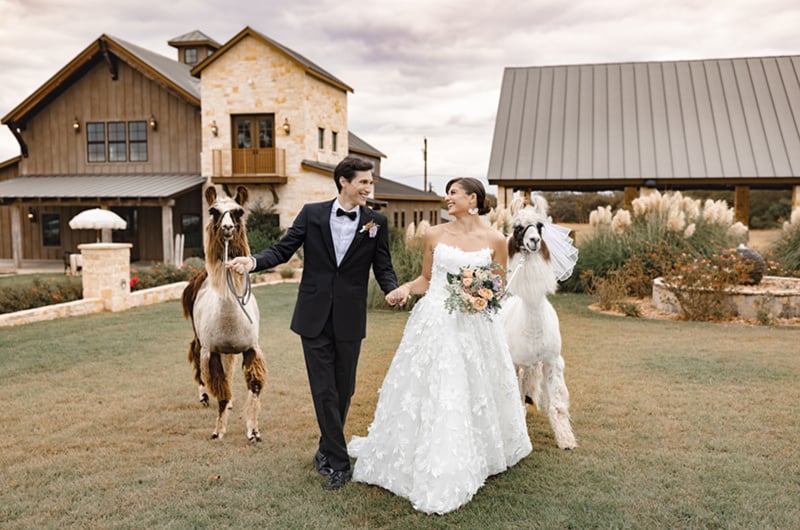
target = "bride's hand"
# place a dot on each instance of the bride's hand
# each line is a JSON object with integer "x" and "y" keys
{"x": 399, "y": 295}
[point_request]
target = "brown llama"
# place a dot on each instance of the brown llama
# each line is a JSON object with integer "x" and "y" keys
{"x": 224, "y": 316}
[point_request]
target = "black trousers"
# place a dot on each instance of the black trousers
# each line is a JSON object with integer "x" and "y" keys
{"x": 331, "y": 366}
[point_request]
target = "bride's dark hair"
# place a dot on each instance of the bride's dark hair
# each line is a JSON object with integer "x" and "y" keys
{"x": 472, "y": 185}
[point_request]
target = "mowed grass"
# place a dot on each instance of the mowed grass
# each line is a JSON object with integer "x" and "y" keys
{"x": 680, "y": 425}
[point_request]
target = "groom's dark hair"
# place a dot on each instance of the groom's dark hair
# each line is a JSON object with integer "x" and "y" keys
{"x": 347, "y": 168}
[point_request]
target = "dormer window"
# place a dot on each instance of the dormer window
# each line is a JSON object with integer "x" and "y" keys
{"x": 190, "y": 55}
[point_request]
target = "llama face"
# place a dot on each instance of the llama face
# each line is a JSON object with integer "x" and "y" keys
{"x": 226, "y": 214}
{"x": 528, "y": 237}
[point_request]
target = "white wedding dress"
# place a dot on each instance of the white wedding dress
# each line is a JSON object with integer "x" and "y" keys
{"x": 449, "y": 413}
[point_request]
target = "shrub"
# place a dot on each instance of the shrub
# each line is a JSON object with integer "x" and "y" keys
{"x": 659, "y": 228}
{"x": 163, "y": 274}
{"x": 263, "y": 227}
{"x": 785, "y": 251}
{"x": 40, "y": 293}
{"x": 701, "y": 286}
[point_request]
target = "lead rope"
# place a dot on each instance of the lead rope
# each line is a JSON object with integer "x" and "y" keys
{"x": 514, "y": 274}
{"x": 244, "y": 298}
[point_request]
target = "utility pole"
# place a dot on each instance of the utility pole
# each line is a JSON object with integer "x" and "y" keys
{"x": 425, "y": 161}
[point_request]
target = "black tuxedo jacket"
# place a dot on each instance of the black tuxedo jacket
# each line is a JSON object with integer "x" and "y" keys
{"x": 327, "y": 289}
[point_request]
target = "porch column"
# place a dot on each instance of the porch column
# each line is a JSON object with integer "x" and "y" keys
{"x": 167, "y": 234}
{"x": 631, "y": 193}
{"x": 795, "y": 199}
{"x": 741, "y": 205}
{"x": 16, "y": 235}
{"x": 504, "y": 196}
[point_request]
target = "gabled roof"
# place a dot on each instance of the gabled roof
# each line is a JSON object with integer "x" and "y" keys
{"x": 195, "y": 37}
{"x": 677, "y": 122}
{"x": 392, "y": 190}
{"x": 384, "y": 188}
{"x": 171, "y": 74}
{"x": 358, "y": 145}
{"x": 310, "y": 67}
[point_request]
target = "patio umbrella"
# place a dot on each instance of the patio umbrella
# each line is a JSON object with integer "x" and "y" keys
{"x": 97, "y": 219}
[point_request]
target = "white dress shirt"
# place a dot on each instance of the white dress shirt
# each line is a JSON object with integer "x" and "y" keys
{"x": 343, "y": 230}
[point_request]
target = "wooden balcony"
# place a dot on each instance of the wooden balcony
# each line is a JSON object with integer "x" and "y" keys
{"x": 257, "y": 166}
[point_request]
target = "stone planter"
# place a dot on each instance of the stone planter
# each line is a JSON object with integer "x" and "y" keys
{"x": 774, "y": 295}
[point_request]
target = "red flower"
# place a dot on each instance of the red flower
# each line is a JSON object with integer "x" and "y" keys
{"x": 134, "y": 281}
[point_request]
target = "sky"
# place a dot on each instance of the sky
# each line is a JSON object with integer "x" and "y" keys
{"x": 419, "y": 68}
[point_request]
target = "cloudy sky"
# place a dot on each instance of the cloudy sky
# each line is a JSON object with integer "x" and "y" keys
{"x": 420, "y": 68}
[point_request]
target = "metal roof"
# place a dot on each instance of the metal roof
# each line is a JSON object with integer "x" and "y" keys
{"x": 688, "y": 120}
{"x": 90, "y": 186}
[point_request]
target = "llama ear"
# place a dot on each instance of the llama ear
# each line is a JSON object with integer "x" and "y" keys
{"x": 211, "y": 195}
{"x": 539, "y": 204}
{"x": 241, "y": 195}
{"x": 516, "y": 205}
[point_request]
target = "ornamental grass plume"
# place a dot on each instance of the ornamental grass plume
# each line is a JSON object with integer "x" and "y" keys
{"x": 657, "y": 228}
{"x": 500, "y": 219}
{"x": 620, "y": 221}
{"x": 411, "y": 231}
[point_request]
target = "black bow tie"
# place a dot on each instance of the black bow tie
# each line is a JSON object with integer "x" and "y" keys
{"x": 351, "y": 215}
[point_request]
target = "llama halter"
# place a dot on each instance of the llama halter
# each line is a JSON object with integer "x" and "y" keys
{"x": 241, "y": 299}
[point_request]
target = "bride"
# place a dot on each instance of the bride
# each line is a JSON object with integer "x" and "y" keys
{"x": 449, "y": 413}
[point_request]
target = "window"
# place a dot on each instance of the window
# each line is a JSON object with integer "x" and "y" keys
{"x": 51, "y": 230}
{"x": 334, "y": 136}
{"x": 116, "y": 142}
{"x": 395, "y": 220}
{"x": 415, "y": 217}
{"x": 137, "y": 138}
{"x": 191, "y": 229}
{"x": 321, "y": 138}
{"x": 96, "y": 142}
{"x": 403, "y": 219}
{"x": 190, "y": 55}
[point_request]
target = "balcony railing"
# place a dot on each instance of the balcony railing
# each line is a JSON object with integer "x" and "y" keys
{"x": 267, "y": 162}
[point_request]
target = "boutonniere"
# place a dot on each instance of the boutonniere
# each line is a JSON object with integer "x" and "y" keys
{"x": 371, "y": 228}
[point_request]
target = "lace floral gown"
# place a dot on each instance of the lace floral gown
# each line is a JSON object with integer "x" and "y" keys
{"x": 449, "y": 413}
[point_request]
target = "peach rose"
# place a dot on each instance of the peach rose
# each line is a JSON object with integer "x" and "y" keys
{"x": 466, "y": 282}
{"x": 468, "y": 273}
{"x": 485, "y": 293}
{"x": 479, "y": 304}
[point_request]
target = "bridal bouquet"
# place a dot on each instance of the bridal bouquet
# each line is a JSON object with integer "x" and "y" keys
{"x": 475, "y": 289}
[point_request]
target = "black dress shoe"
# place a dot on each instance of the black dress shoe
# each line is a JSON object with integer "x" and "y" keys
{"x": 321, "y": 465}
{"x": 338, "y": 479}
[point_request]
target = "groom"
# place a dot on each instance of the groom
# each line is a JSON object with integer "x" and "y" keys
{"x": 341, "y": 240}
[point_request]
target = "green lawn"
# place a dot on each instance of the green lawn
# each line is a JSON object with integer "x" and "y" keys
{"x": 679, "y": 425}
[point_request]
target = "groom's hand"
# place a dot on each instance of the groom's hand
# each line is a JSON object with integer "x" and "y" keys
{"x": 242, "y": 264}
{"x": 399, "y": 295}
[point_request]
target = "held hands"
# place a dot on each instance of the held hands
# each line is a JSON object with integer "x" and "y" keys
{"x": 242, "y": 264}
{"x": 399, "y": 295}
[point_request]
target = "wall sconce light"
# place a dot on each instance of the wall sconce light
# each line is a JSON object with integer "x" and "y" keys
{"x": 214, "y": 129}
{"x": 31, "y": 215}
{"x": 286, "y": 128}
{"x": 153, "y": 123}
{"x": 76, "y": 125}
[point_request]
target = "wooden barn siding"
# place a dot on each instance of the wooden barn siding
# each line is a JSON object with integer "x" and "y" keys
{"x": 54, "y": 149}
